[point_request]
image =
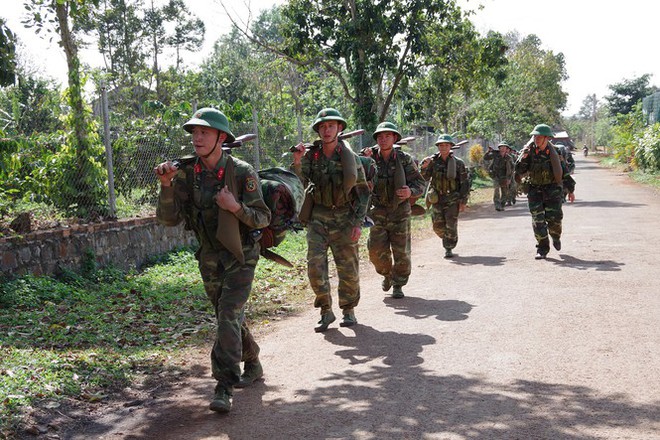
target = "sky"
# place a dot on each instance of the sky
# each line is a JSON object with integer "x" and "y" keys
{"x": 603, "y": 43}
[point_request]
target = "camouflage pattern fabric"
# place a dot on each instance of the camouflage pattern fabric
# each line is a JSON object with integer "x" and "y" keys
{"x": 334, "y": 215}
{"x": 227, "y": 282}
{"x": 447, "y": 195}
{"x": 389, "y": 239}
{"x": 501, "y": 171}
{"x": 543, "y": 194}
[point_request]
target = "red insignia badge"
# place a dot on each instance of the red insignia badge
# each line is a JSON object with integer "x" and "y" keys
{"x": 197, "y": 168}
{"x": 221, "y": 173}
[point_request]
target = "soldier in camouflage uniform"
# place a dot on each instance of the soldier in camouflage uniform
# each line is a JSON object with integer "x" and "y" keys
{"x": 338, "y": 195}
{"x": 512, "y": 191}
{"x": 548, "y": 176}
{"x": 397, "y": 179}
{"x": 448, "y": 191}
{"x": 501, "y": 171}
{"x": 219, "y": 198}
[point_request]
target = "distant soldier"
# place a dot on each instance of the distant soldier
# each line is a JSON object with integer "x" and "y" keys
{"x": 219, "y": 198}
{"x": 513, "y": 186}
{"x": 397, "y": 179}
{"x": 448, "y": 191}
{"x": 501, "y": 171}
{"x": 548, "y": 176}
{"x": 335, "y": 207}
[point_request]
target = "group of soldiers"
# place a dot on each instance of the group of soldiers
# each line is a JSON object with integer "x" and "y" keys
{"x": 219, "y": 198}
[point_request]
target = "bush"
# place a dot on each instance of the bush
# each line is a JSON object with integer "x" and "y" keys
{"x": 647, "y": 150}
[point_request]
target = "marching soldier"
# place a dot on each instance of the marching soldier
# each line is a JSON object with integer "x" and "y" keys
{"x": 335, "y": 207}
{"x": 397, "y": 179}
{"x": 448, "y": 191}
{"x": 501, "y": 171}
{"x": 548, "y": 176}
{"x": 219, "y": 198}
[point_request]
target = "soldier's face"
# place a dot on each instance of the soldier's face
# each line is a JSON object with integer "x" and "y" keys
{"x": 541, "y": 141}
{"x": 502, "y": 151}
{"x": 204, "y": 139}
{"x": 444, "y": 148}
{"x": 385, "y": 140}
{"x": 328, "y": 130}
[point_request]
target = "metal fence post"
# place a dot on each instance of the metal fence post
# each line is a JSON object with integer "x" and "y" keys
{"x": 255, "y": 125}
{"x": 108, "y": 151}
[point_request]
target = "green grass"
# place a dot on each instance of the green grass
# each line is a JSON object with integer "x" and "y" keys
{"x": 88, "y": 336}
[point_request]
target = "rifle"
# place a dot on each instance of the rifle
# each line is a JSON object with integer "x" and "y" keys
{"x": 341, "y": 136}
{"x": 405, "y": 140}
{"x": 458, "y": 145}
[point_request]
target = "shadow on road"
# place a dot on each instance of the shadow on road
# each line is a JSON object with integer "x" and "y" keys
{"x": 420, "y": 308}
{"x": 577, "y": 263}
{"x": 606, "y": 204}
{"x": 381, "y": 404}
{"x": 475, "y": 260}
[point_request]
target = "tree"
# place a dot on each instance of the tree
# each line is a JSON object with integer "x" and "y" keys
{"x": 82, "y": 177}
{"x": 188, "y": 29}
{"x": 628, "y": 93}
{"x": 7, "y": 55}
{"x": 370, "y": 47}
{"x": 530, "y": 94}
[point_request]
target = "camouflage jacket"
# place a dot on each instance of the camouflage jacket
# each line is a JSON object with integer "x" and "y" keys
{"x": 384, "y": 190}
{"x": 325, "y": 175}
{"x": 501, "y": 167}
{"x": 447, "y": 190}
{"x": 535, "y": 164}
{"x": 191, "y": 199}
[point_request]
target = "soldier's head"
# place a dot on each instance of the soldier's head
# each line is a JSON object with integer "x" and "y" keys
{"x": 503, "y": 148}
{"x": 542, "y": 134}
{"x": 386, "y": 135}
{"x": 444, "y": 144}
{"x": 209, "y": 128}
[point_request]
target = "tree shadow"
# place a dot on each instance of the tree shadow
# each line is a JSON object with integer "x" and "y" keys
{"x": 607, "y": 204}
{"x": 420, "y": 308}
{"x": 579, "y": 264}
{"x": 392, "y": 396}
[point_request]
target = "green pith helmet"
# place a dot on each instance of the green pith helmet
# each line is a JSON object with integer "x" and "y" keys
{"x": 445, "y": 138}
{"x": 210, "y": 117}
{"x": 387, "y": 126}
{"x": 328, "y": 114}
{"x": 503, "y": 144}
{"x": 542, "y": 130}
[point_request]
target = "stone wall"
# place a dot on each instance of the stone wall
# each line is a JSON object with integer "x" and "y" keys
{"x": 123, "y": 243}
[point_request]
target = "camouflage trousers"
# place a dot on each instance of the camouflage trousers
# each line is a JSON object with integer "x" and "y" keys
{"x": 512, "y": 191}
{"x": 228, "y": 285}
{"x": 390, "y": 238}
{"x": 545, "y": 206}
{"x": 330, "y": 229}
{"x": 445, "y": 222}
{"x": 500, "y": 193}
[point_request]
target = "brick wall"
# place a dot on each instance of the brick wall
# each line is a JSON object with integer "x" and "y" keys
{"x": 122, "y": 243}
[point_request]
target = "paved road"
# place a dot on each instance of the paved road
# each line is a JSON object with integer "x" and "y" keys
{"x": 490, "y": 345}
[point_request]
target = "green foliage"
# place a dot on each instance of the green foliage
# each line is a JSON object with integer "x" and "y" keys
{"x": 530, "y": 94}
{"x": 647, "y": 150}
{"x": 32, "y": 106}
{"x": 7, "y": 55}
{"x": 628, "y": 93}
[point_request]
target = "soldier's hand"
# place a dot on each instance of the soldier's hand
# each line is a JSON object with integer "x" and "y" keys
{"x": 403, "y": 193}
{"x": 425, "y": 163}
{"x": 571, "y": 197}
{"x": 356, "y": 233}
{"x": 226, "y": 200}
{"x": 461, "y": 207}
{"x": 367, "y": 152}
{"x": 298, "y": 154}
{"x": 166, "y": 172}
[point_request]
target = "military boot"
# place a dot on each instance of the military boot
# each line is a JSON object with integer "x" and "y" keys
{"x": 387, "y": 283}
{"x": 349, "y": 320}
{"x": 556, "y": 243}
{"x": 326, "y": 319}
{"x": 448, "y": 253}
{"x": 252, "y": 372}
{"x": 222, "y": 400}
{"x": 397, "y": 292}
